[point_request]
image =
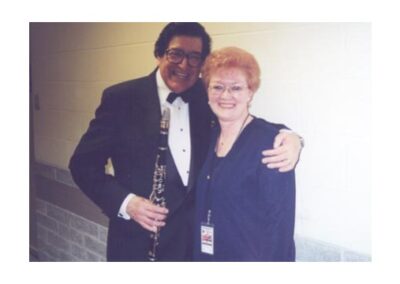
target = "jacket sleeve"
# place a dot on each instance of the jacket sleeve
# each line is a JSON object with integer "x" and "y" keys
{"x": 278, "y": 126}
{"x": 87, "y": 164}
{"x": 277, "y": 210}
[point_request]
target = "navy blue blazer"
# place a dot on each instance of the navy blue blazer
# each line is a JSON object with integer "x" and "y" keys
{"x": 126, "y": 129}
{"x": 252, "y": 207}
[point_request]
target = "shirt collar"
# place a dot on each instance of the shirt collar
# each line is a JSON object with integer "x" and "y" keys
{"x": 162, "y": 88}
{"x": 164, "y": 91}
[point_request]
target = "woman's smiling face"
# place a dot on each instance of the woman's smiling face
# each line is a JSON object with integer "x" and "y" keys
{"x": 229, "y": 94}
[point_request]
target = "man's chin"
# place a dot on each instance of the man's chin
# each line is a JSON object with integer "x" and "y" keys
{"x": 179, "y": 85}
{"x": 180, "y": 88}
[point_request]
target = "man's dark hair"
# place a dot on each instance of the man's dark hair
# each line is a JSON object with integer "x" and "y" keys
{"x": 182, "y": 29}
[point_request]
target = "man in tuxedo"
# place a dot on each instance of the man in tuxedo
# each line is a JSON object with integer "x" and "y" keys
{"x": 126, "y": 130}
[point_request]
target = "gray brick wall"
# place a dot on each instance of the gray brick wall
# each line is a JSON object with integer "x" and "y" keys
{"x": 309, "y": 250}
{"x": 65, "y": 236}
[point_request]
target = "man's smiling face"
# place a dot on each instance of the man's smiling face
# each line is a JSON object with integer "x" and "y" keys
{"x": 180, "y": 76}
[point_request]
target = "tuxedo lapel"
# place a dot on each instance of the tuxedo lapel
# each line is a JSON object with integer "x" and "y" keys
{"x": 194, "y": 145}
{"x": 146, "y": 108}
{"x": 199, "y": 130}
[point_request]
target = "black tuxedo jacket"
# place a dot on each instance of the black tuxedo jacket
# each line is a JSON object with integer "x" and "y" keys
{"x": 126, "y": 129}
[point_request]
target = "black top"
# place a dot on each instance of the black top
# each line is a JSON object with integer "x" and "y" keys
{"x": 252, "y": 207}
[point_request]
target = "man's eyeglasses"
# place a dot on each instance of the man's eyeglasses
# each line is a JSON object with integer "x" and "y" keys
{"x": 219, "y": 89}
{"x": 176, "y": 56}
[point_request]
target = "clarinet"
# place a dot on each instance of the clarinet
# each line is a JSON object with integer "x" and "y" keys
{"x": 159, "y": 178}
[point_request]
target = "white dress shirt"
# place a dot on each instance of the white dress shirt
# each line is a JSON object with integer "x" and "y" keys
{"x": 179, "y": 129}
{"x": 178, "y": 137}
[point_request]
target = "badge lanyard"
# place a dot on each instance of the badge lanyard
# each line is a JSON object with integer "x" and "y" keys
{"x": 207, "y": 228}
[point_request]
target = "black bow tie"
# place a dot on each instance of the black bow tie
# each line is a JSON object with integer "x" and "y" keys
{"x": 172, "y": 96}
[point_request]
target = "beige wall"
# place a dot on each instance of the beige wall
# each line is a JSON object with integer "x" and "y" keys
{"x": 71, "y": 65}
{"x": 315, "y": 79}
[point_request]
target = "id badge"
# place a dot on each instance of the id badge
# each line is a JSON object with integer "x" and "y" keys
{"x": 207, "y": 238}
